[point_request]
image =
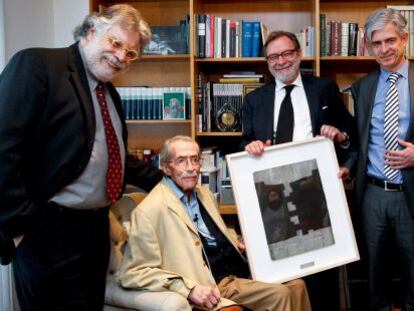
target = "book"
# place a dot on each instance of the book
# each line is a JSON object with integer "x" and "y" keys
{"x": 256, "y": 39}
{"x": 247, "y": 34}
{"x": 239, "y": 80}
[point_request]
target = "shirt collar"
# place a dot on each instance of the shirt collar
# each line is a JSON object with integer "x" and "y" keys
{"x": 297, "y": 82}
{"x": 402, "y": 70}
{"x": 178, "y": 192}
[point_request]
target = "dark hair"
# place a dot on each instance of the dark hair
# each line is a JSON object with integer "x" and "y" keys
{"x": 278, "y": 34}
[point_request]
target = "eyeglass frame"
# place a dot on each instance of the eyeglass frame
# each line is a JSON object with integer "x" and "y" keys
{"x": 119, "y": 45}
{"x": 194, "y": 160}
{"x": 288, "y": 55}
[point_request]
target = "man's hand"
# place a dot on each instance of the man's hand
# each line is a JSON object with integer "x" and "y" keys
{"x": 256, "y": 148}
{"x": 240, "y": 244}
{"x": 343, "y": 173}
{"x": 399, "y": 159}
{"x": 333, "y": 133}
{"x": 18, "y": 240}
{"x": 204, "y": 296}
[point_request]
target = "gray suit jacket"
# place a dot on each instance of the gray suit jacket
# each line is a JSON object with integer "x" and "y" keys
{"x": 363, "y": 92}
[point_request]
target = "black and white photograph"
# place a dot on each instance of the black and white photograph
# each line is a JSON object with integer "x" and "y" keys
{"x": 293, "y": 209}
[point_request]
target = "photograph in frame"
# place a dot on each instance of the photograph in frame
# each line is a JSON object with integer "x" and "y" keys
{"x": 292, "y": 210}
{"x": 173, "y": 106}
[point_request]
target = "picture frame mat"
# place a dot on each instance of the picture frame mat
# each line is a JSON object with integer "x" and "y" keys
{"x": 263, "y": 268}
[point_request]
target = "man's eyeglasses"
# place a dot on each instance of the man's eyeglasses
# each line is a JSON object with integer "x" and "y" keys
{"x": 116, "y": 44}
{"x": 288, "y": 55}
{"x": 183, "y": 161}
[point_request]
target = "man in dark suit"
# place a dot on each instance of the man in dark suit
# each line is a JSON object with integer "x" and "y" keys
{"x": 63, "y": 160}
{"x": 294, "y": 107}
{"x": 384, "y": 102}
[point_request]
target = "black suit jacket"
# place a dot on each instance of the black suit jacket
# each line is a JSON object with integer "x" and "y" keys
{"x": 47, "y": 129}
{"x": 325, "y": 107}
{"x": 364, "y": 92}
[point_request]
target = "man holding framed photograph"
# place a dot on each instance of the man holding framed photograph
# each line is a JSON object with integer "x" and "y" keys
{"x": 294, "y": 107}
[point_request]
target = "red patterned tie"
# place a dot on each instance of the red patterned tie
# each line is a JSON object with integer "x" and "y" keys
{"x": 114, "y": 173}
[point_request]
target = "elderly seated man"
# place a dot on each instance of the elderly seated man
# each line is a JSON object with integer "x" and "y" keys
{"x": 179, "y": 242}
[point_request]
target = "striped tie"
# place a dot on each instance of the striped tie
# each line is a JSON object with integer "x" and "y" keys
{"x": 391, "y": 122}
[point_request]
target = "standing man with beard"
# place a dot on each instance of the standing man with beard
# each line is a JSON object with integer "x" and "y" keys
{"x": 293, "y": 107}
{"x": 63, "y": 160}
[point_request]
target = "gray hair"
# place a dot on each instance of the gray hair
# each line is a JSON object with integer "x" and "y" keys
{"x": 380, "y": 18}
{"x": 165, "y": 154}
{"x": 124, "y": 15}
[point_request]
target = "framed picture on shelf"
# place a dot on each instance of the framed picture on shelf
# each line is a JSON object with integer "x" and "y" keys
{"x": 173, "y": 106}
{"x": 248, "y": 87}
{"x": 292, "y": 210}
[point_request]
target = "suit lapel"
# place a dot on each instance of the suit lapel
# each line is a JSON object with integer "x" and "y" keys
{"x": 81, "y": 85}
{"x": 411, "y": 88}
{"x": 176, "y": 206}
{"x": 268, "y": 103}
{"x": 366, "y": 110}
{"x": 312, "y": 97}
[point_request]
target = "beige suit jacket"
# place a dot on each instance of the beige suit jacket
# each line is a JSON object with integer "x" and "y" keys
{"x": 164, "y": 251}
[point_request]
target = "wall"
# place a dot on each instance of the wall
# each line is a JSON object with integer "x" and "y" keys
{"x": 2, "y": 56}
{"x": 40, "y": 23}
{"x": 65, "y": 23}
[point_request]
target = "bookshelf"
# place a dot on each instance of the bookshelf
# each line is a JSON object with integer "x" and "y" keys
{"x": 183, "y": 70}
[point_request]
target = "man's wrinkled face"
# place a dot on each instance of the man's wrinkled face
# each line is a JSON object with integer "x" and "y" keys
{"x": 283, "y": 59}
{"x": 184, "y": 166}
{"x": 111, "y": 53}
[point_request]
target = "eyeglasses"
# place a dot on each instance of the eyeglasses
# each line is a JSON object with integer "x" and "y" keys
{"x": 116, "y": 44}
{"x": 288, "y": 55}
{"x": 183, "y": 161}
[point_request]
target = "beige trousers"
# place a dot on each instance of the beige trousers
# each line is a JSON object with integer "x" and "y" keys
{"x": 259, "y": 296}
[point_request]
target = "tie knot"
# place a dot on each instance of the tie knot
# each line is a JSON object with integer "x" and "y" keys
{"x": 394, "y": 77}
{"x": 289, "y": 88}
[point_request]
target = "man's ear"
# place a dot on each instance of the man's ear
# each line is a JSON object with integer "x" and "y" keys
{"x": 166, "y": 169}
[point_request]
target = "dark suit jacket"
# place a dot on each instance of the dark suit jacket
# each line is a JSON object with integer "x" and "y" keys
{"x": 364, "y": 92}
{"x": 47, "y": 129}
{"x": 325, "y": 106}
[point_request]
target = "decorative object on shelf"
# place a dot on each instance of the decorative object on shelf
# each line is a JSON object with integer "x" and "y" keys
{"x": 169, "y": 39}
{"x": 173, "y": 106}
{"x": 292, "y": 210}
{"x": 228, "y": 119}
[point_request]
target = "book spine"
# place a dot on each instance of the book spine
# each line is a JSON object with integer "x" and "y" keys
{"x": 201, "y": 35}
{"x": 223, "y": 37}
{"x": 247, "y": 38}
{"x": 233, "y": 40}
{"x": 256, "y": 39}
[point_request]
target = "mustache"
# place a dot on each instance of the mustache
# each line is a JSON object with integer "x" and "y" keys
{"x": 287, "y": 65}
{"x": 114, "y": 61}
{"x": 189, "y": 174}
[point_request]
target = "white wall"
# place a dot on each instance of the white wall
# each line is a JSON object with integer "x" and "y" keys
{"x": 67, "y": 15}
{"x": 41, "y": 23}
{"x": 27, "y": 24}
{"x": 2, "y": 56}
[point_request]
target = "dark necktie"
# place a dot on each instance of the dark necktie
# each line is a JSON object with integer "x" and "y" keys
{"x": 285, "y": 122}
{"x": 391, "y": 122}
{"x": 114, "y": 173}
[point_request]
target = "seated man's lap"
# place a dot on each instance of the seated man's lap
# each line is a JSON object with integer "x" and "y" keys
{"x": 260, "y": 296}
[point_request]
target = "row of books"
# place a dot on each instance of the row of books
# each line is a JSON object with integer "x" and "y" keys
{"x": 151, "y": 103}
{"x": 339, "y": 38}
{"x": 215, "y": 174}
{"x": 408, "y": 12}
{"x": 217, "y": 37}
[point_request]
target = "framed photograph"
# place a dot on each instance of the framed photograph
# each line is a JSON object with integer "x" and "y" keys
{"x": 292, "y": 210}
{"x": 173, "y": 106}
{"x": 248, "y": 87}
